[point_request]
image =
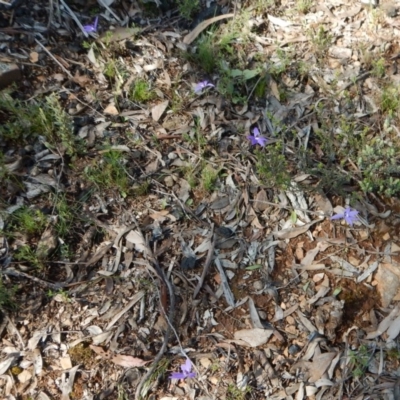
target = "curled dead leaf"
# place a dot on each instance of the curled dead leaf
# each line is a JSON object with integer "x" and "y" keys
{"x": 128, "y": 361}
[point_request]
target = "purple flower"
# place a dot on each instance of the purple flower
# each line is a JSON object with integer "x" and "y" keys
{"x": 93, "y": 27}
{"x": 349, "y": 215}
{"x": 186, "y": 371}
{"x": 202, "y": 85}
{"x": 257, "y": 139}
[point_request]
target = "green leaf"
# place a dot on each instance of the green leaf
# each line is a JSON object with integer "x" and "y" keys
{"x": 337, "y": 291}
{"x": 251, "y": 73}
{"x": 253, "y": 267}
{"x": 236, "y": 72}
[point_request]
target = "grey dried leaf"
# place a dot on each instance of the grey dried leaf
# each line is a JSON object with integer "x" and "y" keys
{"x": 224, "y": 231}
{"x": 255, "y": 318}
{"x": 291, "y": 233}
{"x": 220, "y": 203}
{"x": 260, "y": 201}
{"x": 188, "y": 262}
{"x": 158, "y": 110}
{"x": 47, "y": 243}
{"x": 253, "y": 337}
{"x": 67, "y": 382}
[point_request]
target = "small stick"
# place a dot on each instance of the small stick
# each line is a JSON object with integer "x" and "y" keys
{"x": 19, "y": 274}
{"x": 51, "y": 55}
{"x": 74, "y": 17}
{"x": 110, "y": 11}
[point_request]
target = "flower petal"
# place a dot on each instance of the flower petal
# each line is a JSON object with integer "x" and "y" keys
{"x": 256, "y": 132}
{"x": 202, "y": 85}
{"x": 187, "y": 367}
{"x": 338, "y": 216}
{"x": 262, "y": 141}
{"x": 177, "y": 375}
{"x": 253, "y": 140}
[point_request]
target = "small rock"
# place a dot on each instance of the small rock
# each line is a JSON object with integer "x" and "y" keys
{"x": 388, "y": 283}
{"x": 9, "y": 73}
{"x": 47, "y": 244}
{"x": 169, "y": 182}
{"x": 293, "y": 349}
{"x": 258, "y": 285}
{"x": 188, "y": 262}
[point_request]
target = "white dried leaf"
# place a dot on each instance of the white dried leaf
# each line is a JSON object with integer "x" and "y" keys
{"x": 323, "y": 290}
{"x": 42, "y": 396}
{"x": 128, "y": 361}
{"x": 311, "y": 254}
{"x": 5, "y": 364}
{"x": 191, "y": 36}
{"x": 279, "y": 21}
{"x": 253, "y": 337}
{"x": 94, "y": 330}
{"x": 158, "y": 110}
{"x": 25, "y": 376}
{"x": 67, "y": 382}
{"x": 345, "y": 264}
{"x": 300, "y": 392}
{"x": 371, "y": 268}
{"x": 137, "y": 239}
{"x": 34, "y": 340}
{"x": 37, "y": 361}
{"x": 320, "y": 365}
{"x": 393, "y": 330}
{"x": 385, "y": 323}
{"x": 92, "y": 57}
{"x": 66, "y": 362}
{"x": 9, "y": 383}
{"x": 323, "y": 382}
{"x": 307, "y": 323}
{"x": 204, "y": 246}
{"x": 101, "y": 338}
{"x": 291, "y": 233}
{"x": 255, "y": 318}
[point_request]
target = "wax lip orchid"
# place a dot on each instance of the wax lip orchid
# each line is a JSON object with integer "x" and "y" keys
{"x": 198, "y": 89}
{"x": 186, "y": 369}
{"x": 91, "y": 28}
{"x": 256, "y": 138}
{"x": 349, "y": 215}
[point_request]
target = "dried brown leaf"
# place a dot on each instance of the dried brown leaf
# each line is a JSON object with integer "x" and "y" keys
{"x": 190, "y": 37}
{"x": 158, "y": 110}
{"x": 128, "y": 361}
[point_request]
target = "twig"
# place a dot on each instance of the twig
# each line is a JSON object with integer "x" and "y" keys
{"x": 50, "y": 15}
{"x": 19, "y": 274}
{"x": 111, "y": 11}
{"x": 51, "y": 55}
{"x": 74, "y": 17}
{"x": 82, "y": 102}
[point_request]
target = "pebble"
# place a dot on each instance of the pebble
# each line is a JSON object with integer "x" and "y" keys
{"x": 169, "y": 182}
{"x": 258, "y": 285}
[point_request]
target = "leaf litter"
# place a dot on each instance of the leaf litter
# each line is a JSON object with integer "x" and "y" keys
{"x": 322, "y": 289}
